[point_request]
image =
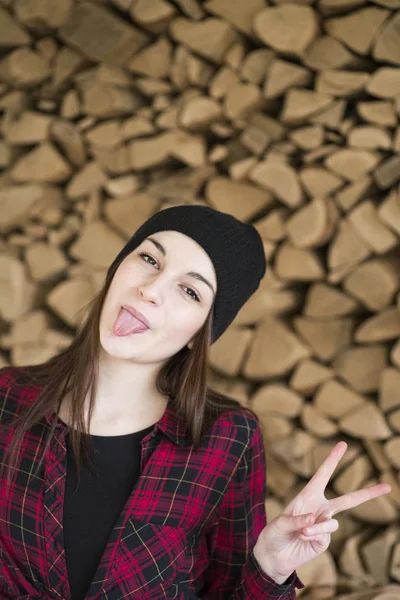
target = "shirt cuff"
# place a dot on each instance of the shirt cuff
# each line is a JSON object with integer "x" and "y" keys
{"x": 259, "y": 582}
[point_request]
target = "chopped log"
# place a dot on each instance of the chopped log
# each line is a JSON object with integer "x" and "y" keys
{"x": 381, "y": 327}
{"x": 243, "y": 200}
{"x": 316, "y": 422}
{"x": 384, "y": 83}
{"x": 199, "y": 112}
{"x": 378, "y": 510}
{"x": 369, "y": 137}
{"x": 380, "y": 112}
{"x": 352, "y": 163}
{"x": 69, "y": 298}
{"x": 376, "y": 554}
{"x": 348, "y": 196}
{"x": 388, "y": 173}
{"x": 347, "y": 248}
{"x": 319, "y": 182}
{"x": 238, "y": 14}
{"x": 96, "y": 245}
{"x": 69, "y": 140}
{"x": 282, "y": 348}
{"x": 308, "y": 376}
{"x": 226, "y": 355}
{"x": 327, "y": 337}
{"x": 359, "y": 28}
{"x": 225, "y": 79}
{"x": 327, "y": 53}
{"x": 283, "y": 75}
{"x": 389, "y": 389}
{"x": 255, "y": 139}
{"x": 277, "y": 398}
{"x": 337, "y": 400}
{"x": 392, "y": 450}
{"x": 286, "y": 28}
{"x": 41, "y": 16}
{"x": 271, "y": 226}
{"x": 331, "y": 116}
{"x": 314, "y": 224}
{"x": 45, "y": 261}
{"x": 324, "y": 302}
{"x": 386, "y": 46}
{"x": 300, "y": 104}
{"x": 153, "y": 60}
{"x": 374, "y": 283}
{"x": 279, "y": 478}
{"x": 365, "y": 219}
{"x": 394, "y": 420}
{"x": 308, "y": 137}
{"x": 211, "y": 37}
{"x": 12, "y": 34}
{"x": 255, "y": 65}
{"x": 240, "y": 169}
{"x": 280, "y": 179}
{"x": 341, "y": 83}
{"x": 366, "y": 422}
{"x": 350, "y": 562}
{"x": 352, "y": 477}
{"x": 42, "y": 164}
{"x": 297, "y": 264}
{"x": 377, "y": 455}
{"x": 361, "y": 366}
{"x": 30, "y": 128}
{"x": 241, "y": 100}
{"x": 389, "y": 210}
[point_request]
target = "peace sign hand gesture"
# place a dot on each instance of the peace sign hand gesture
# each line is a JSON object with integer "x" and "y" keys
{"x": 303, "y": 529}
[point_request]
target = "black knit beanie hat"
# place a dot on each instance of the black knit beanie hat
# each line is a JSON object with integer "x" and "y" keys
{"x": 235, "y": 249}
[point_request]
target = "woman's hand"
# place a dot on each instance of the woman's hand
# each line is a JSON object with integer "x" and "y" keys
{"x": 303, "y": 529}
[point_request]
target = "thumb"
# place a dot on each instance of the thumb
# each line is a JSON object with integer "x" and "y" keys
{"x": 290, "y": 523}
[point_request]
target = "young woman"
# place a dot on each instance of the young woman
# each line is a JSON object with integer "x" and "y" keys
{"x": 167, "y": 500}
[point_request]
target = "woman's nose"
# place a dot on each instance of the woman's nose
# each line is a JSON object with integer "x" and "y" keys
{"x": 151, "y": 291}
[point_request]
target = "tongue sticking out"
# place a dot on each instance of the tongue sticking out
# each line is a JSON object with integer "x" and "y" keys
{"x": 126, "y": 324}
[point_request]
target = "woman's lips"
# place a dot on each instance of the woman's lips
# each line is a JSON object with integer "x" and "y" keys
{"x": 127, "y": 324}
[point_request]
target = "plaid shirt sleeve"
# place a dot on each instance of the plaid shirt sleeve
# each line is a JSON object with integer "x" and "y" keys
{"x": 233, "y": 572}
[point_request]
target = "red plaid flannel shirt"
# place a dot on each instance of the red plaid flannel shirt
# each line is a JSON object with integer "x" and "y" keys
{"x": 187, "y": 530}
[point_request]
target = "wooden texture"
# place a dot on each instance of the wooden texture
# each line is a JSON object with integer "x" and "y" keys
{"x": 285, "y": 115}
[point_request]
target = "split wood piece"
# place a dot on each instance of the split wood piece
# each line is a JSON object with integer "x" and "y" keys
{"x": 234, "y": 388}
{"x": 374, "y": 283}
{"x": 145, "y": 153}
{"x": 327, "y": 53}
{"x": 238, "y": 14}
{"x": 359, "y": 28}
{"x": 283, "y": 75}
{"x": 297, "y": 264}
{"x": 388, "y": 173}
{"x": 327, "y": 337}
{"x": 153, "y": 60}
{"x": 381, "y": 327}
{"x": 45, "y": 261}
{"x": 267, "y": 302}
{"x": 387, "y": 43}
{"x": 341, "y": 83}
{"x": 389, "y": 397}
{"x": 352, "y": 163}
{"x": 88, "y": 179}
{"x": 348, "y": 196}
{"x": 17, "y": 291}
{"x": 274, "y": 427}
{"x": 395, "y": 564}
{"x": 65, "y": 64}
{"x": 350, "y": 562}
{"x": 301, "y": 465}
{"x": 69, "y": 140}
{"x": 255, "y": 139}
{"x": 271, "y": 227}
{"x": 242, "y": 200}
{"x": 389, "y": 477}
{"x": 320, "y": 573}
{"x": 108, "y": 134}
{"x": 347, "y": 249}
{"x": 127, "y": 213}
{"x": 24, "y": 68}
{"x": 224, "y": 79}
{"x": 361, "y": 367}
{"x": 324, "y": 302}
{"x": 379, "y": 112}
{"x": 376, "y": 554}
{"x": 384, "y": 83}
{"x": 280, "y": 179}
{"x": 218, "y": 153}
{"x": 353, "y": 476}
{"x": 366, "y": 422}
{"x": 211, "y": 38}
{"x": 300, "y": 104}
{"x": 394, "y": 420}
{"x": 279, "y": 478}
{"x": 153, "y": 16}
{"x": 389, "y": 210}
{"x": 277, "y": 398}
{"x": 12, "y": 34}
{"x": 288, "y": 29}
{"x": 104, "y": 101}
{"x": 392, "y": 450}
{"x": 226, "y": 355}
{"x": 40, "y": 16}
{"x": 71, "y": 105}
{"x": 365, "y": 219}
{"x": 329, "y": 7}
{"x": 113, "y": 161}
{"x": 240, "y": 169}
{"x": 97, "y": 245}
{"x": 199, "y": 112}
{"x": 293, "y": 448}
{"x": 241, "y": 100}
{"x": 315, "y": 422}
{"x": 198, "y": 71}
{"x": 377, "y": 455}
{"x": 129, "y": 128}
{"x": 30, "y": 128}
{"x": 87, "y": 23}
{"x": 369, "y": 137}
{"x": 314, "y": 224}
{"x": 69, "y": 298}
{"x": 255, "y": 65}
{"x": 275, "y": 350}
{"x": 336, "y": 400}
{"x": 308, "y": 376}
{"x": 395, "y": 354}
{"x": 332, "y": 116}
{"x": 42, "y": 164}
{"x": 234, "y": 56}
{"x": 183, "y": 186}
{"x": 308, "y": 138}
{"x": 319, "y": 182}
{"x": 21, "y": 202}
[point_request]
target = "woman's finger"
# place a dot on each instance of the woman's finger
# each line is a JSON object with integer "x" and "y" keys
{"x": 327, "y": 526}
{"x": 321, "y": 538}
{"x": 353, "y": 499}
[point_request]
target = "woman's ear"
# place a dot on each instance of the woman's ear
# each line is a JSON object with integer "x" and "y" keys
{"x": 190, "y": 345}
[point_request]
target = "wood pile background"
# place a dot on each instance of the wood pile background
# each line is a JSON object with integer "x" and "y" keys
{"x": 283, "y": 114}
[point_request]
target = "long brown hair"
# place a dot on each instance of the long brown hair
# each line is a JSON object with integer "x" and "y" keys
{"x": 74, "y": 371}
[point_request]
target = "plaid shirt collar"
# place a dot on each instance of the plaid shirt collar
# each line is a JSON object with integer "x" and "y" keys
{"x": 170, "y": 424}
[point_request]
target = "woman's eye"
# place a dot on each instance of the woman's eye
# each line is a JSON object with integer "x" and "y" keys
{"x": 194, "y": 296}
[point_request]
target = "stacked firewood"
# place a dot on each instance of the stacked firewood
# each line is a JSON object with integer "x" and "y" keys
{"x": 284, "y": 114}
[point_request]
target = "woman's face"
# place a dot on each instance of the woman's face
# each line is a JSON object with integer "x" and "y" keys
{"x": 159, "y": 280}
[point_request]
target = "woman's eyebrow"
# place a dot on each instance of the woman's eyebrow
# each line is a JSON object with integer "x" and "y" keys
{"x": 161, "y": 248}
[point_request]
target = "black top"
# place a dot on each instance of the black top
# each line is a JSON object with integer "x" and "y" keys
{"x": 91, "y": 510}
